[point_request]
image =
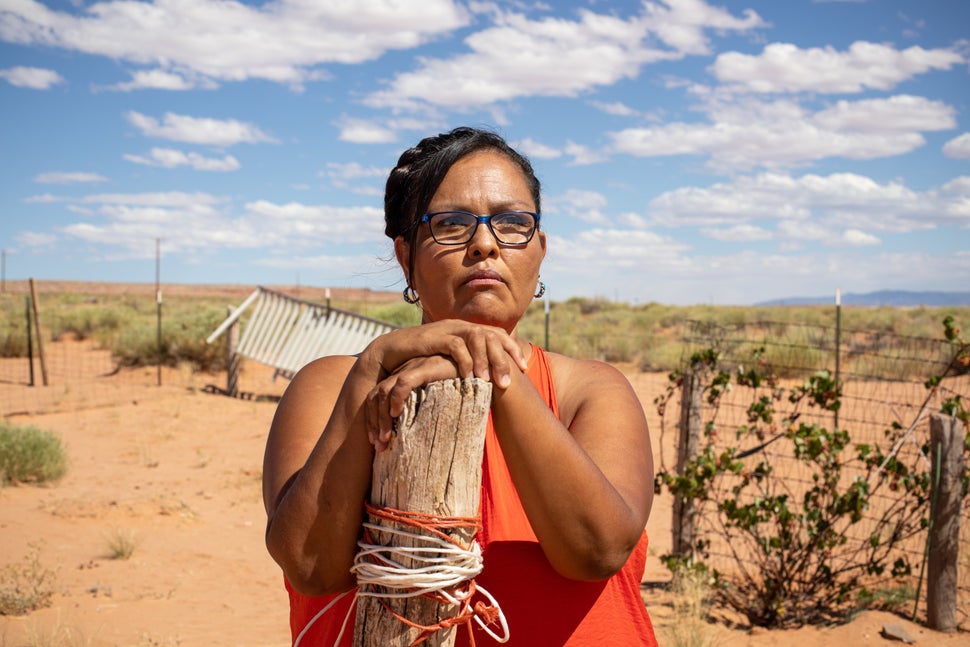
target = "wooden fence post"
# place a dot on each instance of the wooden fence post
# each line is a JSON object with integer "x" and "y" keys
{"x": 232, "y": 357}
{"x": 40, "y": 337}
{"x": 946, "y": 442}
{"x": 688, "y": 447}
{"x": 432, "y": 465}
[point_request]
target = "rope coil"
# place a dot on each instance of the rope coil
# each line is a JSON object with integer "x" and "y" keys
{"x": 444, "y": 571}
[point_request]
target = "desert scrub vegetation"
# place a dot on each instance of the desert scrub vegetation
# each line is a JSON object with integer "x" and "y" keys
{"x": 648, "y": 336}
{"x": 30, "y": 455}
{"x": 690, "y": 625}
{"x": 121, "y": 543}
{"x": 801, "y": 517}
{"x": 26, "y": 586}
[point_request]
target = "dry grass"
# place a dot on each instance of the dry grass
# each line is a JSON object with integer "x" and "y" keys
{"x": 26, "y": 586}
{"x": 121, "y": 543}
{"x": 690, "y": 625}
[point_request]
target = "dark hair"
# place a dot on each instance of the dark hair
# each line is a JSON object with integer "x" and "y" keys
{"x": 421, "y": 169}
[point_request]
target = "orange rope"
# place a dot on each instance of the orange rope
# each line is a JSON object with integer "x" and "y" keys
{"x": 435, "y": 525}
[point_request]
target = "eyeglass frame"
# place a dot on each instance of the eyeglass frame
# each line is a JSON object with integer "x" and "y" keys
{"x": 426, "y": 218}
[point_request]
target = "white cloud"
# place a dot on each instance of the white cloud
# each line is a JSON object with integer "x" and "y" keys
{"x": 35, "y": 239}
{"x": 361, "y": 131}
{"x": 581, "y": 204}
{"x": 172, "y": 158}
{"x": 178, "y": 199}
{"x": 749, "y": 133}
{"x": 228, "y": 40}
{"x": 834, "y": 208}
{"x": 34, "y": 78}
{"x": 682, "y": 24}
{"x": 193, "y": 223}
{"x": 198, "y": 130}
{"x": 898, "y": 114}
{"x": 558, "y": 57}
{"x": 58, "y": 177}
{"x": 159, "y": 79}
{"x": 304, "y": 225}
{"x": 536, "y": 150}
{"x": 958, "y": 147}
{"x": 783, "y": 67}
{"x": 583, "y": 155}
{"x": 737, "y": 234}
{"x": 347, "y": 175}
{"x": 616, "y": 108}
{"x": 597, "y": 253}
{"x": 353, "y": 171}
{"x": 857, "y": 238}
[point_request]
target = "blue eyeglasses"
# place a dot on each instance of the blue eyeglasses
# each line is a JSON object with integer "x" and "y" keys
{"x": 459, "y": 227}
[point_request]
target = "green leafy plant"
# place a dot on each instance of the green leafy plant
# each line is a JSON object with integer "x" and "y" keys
{"x": 800, "y": 552}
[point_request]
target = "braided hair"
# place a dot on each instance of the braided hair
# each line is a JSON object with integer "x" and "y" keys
{"x": 421, "y": 169}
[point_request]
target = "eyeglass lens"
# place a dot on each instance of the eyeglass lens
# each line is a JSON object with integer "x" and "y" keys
{"x": 457, "y": 227}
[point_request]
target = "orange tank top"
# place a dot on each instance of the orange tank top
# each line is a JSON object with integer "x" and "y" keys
{"x": 542, "y": 607}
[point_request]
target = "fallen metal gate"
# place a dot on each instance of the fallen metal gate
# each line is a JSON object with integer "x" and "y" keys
{"x": 288, "y": 333}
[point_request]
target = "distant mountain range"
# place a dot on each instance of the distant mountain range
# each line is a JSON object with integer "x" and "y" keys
{"x": 881, "y": 298}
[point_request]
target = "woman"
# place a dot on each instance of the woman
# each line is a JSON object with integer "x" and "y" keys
{"x": 568, "y": 470}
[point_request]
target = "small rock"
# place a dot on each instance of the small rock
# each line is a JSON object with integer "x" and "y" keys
{"x": 896, "y": 632}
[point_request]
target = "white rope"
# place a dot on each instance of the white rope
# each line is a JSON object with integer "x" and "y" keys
{"x": 443, "y": 566}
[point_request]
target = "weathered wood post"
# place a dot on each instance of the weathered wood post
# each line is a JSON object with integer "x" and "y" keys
{"x": 432, "y": 465}
{"x": 946, "y": 442}
{"x": 688, "y": 447}
{"x": 232, "y": 357}
{"x": 40, "y": 337}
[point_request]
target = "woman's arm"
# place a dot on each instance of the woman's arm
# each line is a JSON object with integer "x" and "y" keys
{"x": 586, "y": 483}
{"x": 319, "y": 453}
{"x": 316, "y": 473}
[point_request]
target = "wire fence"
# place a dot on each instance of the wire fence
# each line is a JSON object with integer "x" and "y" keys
{"x": 882, "y": 377}
{"x": 885, "y": 404}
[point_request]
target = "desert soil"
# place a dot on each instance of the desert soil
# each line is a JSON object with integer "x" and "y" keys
{"x": 178, "y": 469}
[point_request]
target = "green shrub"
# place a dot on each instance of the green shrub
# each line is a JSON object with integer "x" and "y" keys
{"x": 30, "y": 455}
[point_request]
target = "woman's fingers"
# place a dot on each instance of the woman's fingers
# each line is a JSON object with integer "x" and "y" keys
{"x": 411, "y": 358}
{"x": 387, "y": 399}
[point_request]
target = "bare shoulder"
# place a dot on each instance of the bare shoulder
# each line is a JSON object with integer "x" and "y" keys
{"x": 579, "y": 381}
{"x": 323, "y": 372}
{"x": 300, "y": 418}
{"x": 314, "y": 389}
{"x": 569, "y": 372}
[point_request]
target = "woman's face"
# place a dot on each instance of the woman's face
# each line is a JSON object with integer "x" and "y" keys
{"x": 481, "y": 281}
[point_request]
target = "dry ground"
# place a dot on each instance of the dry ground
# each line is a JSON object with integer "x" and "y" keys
{"x": 179, "y": 469}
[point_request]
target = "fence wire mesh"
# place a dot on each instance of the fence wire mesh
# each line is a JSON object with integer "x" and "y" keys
{"x": 885, "y": 403}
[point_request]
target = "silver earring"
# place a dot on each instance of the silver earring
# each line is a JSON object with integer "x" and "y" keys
{"x": 542, "y": 290}
{"x": 411, "y": 295}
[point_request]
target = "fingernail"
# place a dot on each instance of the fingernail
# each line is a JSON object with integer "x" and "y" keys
{"x": 504, "y": 381}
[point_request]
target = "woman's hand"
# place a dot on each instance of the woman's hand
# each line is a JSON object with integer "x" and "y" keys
{"x": 412, "y": 357}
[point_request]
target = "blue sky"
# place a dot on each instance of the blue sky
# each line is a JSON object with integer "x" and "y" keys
{"x": 690, "y": 151}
